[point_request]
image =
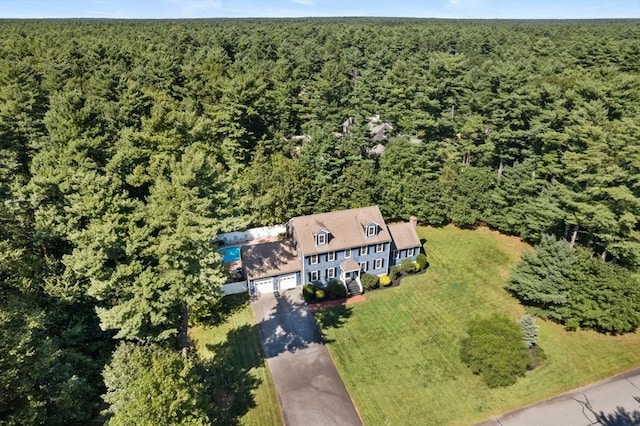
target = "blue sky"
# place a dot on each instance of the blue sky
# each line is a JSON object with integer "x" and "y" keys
{"x": 504, "y": 9}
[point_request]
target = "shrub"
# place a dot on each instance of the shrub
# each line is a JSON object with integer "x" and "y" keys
{"x": 335, "y": 290}
{"x": 385, "y": 280}
{"x": 369, "y": 282}
{"x": 309, "y": 292}
{"x": 416, "y": 267}
{"x": 319, "y": 294}
{"x": 421, "y": 261}
{"x": 407, "y": 265}
{"x": 395, "y": 271}
{"x": 494, "y": 350}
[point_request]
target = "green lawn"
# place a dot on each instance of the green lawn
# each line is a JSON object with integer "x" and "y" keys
{"x": 246, "y": 389}
{"x": 398, "y": 351}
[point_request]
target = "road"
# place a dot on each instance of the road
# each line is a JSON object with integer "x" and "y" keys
{"x": 611, "y": 402}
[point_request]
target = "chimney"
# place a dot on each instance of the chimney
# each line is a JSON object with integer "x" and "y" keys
{"x": 414, "y": 221}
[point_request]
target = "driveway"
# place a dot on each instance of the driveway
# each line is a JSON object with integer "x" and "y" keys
{"x": 309, "y": 387}
{"x": 612, "y": 402}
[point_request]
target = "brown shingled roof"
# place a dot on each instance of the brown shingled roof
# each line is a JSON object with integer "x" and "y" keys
{"x": 346, "y": 227}
{"x": 270, "y": 259}
{"x": 404, "y": 235}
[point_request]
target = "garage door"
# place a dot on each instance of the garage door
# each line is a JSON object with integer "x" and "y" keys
{"x": 287, "y": 282}
{"x": 264, "y": 286}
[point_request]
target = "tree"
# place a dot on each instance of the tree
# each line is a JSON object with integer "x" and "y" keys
{"x": 540, "y": 279}
{"x": 466, "y": 192}
{"x": 529, "y": 330}
{"x": 573, "y": 288}
{"x": 150, "y": 264}
{"x": 153, "y": 385}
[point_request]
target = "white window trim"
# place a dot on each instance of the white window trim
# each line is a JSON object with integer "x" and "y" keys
{"x": 313, "y": 260}
{"x": 378, "y": 264}
{"x": 331, "y": 256}
{"x": 331, "y": 273}
{"x": 379, "y": 247}
{"x": 410, "y": 252}
{"x": 396, "y": 254}
{"x": 347, "y": 253}
{"x": 324, "y": 238}
{"x": 363, "y": 266}
{"x": 371, "y": 231}
{"x": 364, "y": 250}
{"x": 315, "y": 274}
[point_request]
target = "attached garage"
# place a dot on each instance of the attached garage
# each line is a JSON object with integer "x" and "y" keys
{"x": 287, "y": 282}
{"x": 264, "y": 286}
{"x": 271, "y": 267}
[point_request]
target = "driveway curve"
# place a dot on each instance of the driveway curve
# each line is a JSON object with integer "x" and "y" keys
{"x": 310, "y": 390}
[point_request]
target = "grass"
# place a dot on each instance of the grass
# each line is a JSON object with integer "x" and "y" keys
{"x": 398, "y": 352}
{"x": 245, "y": 388}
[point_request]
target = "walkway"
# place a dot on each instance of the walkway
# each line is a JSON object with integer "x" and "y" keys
{"x": 309, "y": 387}
{"x": 612, "y": 402}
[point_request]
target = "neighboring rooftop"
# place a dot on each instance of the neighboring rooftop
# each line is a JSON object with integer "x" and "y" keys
{"x": 404, "y": 235}
{"x": 269, "y": 259}
{"x": 346, "y": 228}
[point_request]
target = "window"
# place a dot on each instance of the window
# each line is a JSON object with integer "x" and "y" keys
{"x": 379, "y": 263}
{"x": 363, "y": 266}
{"x": 363, "y": 251}
{"x": 314, "y": 275}
{"x": 410, "y": 252}
{"x": 347, "y": 253}
{"x": 396, "y": 254}
{"x": 331, "y": 256}
{"x": 379, "y": 248}
{"x": 371, "y": 231}
{"x": 322, "y": 238}
{"x": 331, "y": 272}
{"x": 313, "y": 259}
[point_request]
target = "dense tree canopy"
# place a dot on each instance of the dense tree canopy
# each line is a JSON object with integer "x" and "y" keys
{"x": 125, "y": 146}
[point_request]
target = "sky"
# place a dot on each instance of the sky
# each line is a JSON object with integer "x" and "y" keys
{"x": 481, "y": 9}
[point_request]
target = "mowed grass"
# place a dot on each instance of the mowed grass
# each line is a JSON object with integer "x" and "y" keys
{"x": 398, "y": 352}
{"x": 246, "y": 390}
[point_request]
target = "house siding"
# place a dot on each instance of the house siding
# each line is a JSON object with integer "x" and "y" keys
{"x": 403, "y": 255}
{"x": 323, "y": 264}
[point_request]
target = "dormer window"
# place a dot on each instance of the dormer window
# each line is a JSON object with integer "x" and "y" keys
{"x": 322, "y": 238}
{"x": 371, "y": 230}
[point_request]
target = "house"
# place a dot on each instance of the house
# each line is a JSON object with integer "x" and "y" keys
{"x": 378, "y": 131}
{"x": 322, "y": 247}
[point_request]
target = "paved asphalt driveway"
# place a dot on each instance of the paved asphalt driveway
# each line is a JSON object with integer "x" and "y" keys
{"x": 308, "y": 385}
{"x": 612, "y": 402}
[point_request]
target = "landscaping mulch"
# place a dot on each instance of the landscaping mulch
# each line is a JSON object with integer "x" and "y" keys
{"x": 315, "y": 307}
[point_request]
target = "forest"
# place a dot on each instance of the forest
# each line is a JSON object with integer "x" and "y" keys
{"x": 126, "y": 146}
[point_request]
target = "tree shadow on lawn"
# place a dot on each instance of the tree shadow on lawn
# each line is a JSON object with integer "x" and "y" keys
{"x": 227, "y": 376}
{"x": 224, "y": 309}
{"x": 290, "y": 325}
{"x": 335, "y": 317}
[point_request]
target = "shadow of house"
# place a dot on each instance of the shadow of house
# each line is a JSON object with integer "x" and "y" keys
{"x": 227, "y": 376}
{"x": 290, "y": 327}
